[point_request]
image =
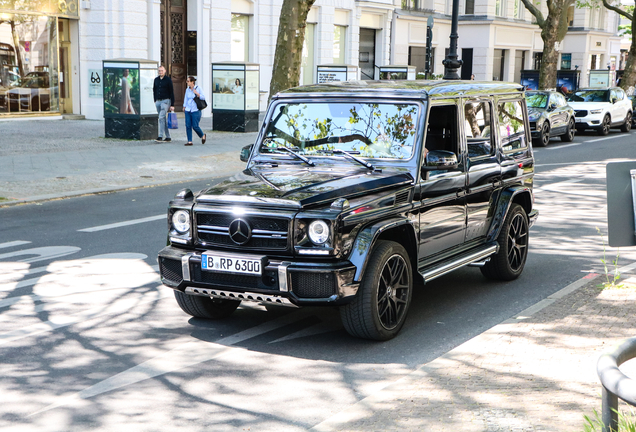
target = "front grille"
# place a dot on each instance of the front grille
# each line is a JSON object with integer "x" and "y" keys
{"x": 171, "y": 270}
{"x": 533, "y": 125}
{"x": 581, "y": 113}
{"x": 268, "y": 233}
{"x": 313, "y": 285}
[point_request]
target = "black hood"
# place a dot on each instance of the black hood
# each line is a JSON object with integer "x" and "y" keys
{"x": 300, "y": 187}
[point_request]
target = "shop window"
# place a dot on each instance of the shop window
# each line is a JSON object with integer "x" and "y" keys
{"x": 566, "y": 61}
{"x": 536, "y": 63}
{"x": 28, "y": 71}
{"x": 339, "y": 44}
{"x": 307, "y": 62}
{"x": 239, "y": 50}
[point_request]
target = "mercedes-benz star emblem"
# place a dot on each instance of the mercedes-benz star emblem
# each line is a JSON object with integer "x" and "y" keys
{"x": 240, "y": 231}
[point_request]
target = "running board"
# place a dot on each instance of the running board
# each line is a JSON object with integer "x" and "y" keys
{"x": 470, "y": 257}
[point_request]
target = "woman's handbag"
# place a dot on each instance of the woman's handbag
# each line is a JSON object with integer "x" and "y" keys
{"x": 172, "y": 120}
{"x": 201, "y": 104}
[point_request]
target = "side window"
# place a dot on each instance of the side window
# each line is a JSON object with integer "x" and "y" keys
{"x": 620, "y": 94}
{"x": 613, "y": 95}
{"x": 512, "y": 133}
{"x": 478, "y": 127}
{"x": 441, "y": 133}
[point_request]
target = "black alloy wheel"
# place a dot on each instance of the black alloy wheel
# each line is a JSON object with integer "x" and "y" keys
{"x": 206, "y": 307}
{"x": 627, "y": 126}
{"x": 568, "y": 136}
{"x": 544, "y": 134}
{"x": 605, "y": 126}
{"x": 380, "y": 307}
{"x": 507, "y": 264}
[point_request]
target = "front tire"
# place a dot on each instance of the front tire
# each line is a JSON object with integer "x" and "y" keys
{"x": 206, "y": 307}
{"x": 605, "y": 126}
{"x": 568, "y": 136}
{"x": 508, "y": 263}
{"x": 379, "y": 309}
{"x": 628, "y": 123}
{"x": 544, "y": 135}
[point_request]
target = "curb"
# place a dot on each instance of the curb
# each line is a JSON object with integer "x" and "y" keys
{"x": 367, "y": 406}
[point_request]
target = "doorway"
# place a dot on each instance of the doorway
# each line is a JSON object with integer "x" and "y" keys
{"x": 65, "y": 75}
{"x": 367, "y": 54}
{"x": 174, "y": 46}
{"x": 467, "y": 65}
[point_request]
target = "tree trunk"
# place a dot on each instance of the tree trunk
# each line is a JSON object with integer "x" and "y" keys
{"x": 16, "y": 44}
{"x": 629, "y": 77}
{"x": 289, "y": 45}
{"x": 550, "y": 35}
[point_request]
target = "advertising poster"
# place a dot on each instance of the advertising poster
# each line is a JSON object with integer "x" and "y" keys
{"x": 327, "y": 76}
{"x": 228, "y": 90}
{"x": 147, "y": 78}
{"x": 95, "y": 88}
{"x": 252, "y": 92}
{"x": 121, "y": 89}
{"x": 599, "y": 79}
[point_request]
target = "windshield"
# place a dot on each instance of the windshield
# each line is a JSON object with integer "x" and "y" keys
{"x": 589, "y": 96}
{"x": 537, "y": 100}
{"x": 375, "y": 130}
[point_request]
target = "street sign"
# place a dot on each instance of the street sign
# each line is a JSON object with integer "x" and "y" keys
{"x": 429, "y": 22}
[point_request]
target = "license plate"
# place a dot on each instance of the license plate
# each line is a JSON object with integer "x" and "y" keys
{"x": 231, "y": 264}
{"x": 579, "y": 120}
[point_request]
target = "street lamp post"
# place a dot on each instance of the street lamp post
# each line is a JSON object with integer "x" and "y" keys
{"x": 451, "y": 62}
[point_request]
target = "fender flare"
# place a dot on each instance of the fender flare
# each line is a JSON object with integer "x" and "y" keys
{"x": 368, "y": 236}
{"x": 507, "y": 197}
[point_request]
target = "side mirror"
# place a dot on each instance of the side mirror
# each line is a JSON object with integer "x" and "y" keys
{"x": 552, "y": 107}
{"x": 614, "y": 100}
{"x": 440, "y": 160}
{"x": 245, "y": 152}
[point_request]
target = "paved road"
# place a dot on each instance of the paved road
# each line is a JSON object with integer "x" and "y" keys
{"x": 91, "y": 341}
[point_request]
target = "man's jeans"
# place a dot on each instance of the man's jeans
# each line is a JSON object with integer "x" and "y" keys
{"x": 162, "y": 108}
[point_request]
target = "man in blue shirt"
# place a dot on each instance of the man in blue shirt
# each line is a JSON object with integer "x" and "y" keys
{"x": 164, "y": 101}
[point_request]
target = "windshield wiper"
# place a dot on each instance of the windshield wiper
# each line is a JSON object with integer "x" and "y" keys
{"x": 349, "y": 155}
{"x": 298, "y": 156}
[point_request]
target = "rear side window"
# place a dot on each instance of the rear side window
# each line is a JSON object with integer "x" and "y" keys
{"x": 512, "y": 128}
{"x": 478, "y": 127}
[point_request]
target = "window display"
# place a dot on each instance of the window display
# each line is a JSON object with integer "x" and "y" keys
{"x": 28, "y": 64}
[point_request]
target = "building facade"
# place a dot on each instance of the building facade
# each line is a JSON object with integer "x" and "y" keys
{"x": 51, "y": 51}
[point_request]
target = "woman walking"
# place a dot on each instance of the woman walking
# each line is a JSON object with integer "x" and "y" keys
{"x": 192, "y": 113}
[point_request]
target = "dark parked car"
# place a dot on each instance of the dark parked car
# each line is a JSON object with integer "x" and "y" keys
{"x": 550, "y": 116}
{"x": 353, "y": 194}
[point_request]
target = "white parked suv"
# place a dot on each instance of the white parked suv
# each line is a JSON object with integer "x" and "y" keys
{"x": 601, "y": 109}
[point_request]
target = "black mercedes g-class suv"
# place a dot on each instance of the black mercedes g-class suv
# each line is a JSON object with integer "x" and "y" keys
{"x": 353, "y": 193}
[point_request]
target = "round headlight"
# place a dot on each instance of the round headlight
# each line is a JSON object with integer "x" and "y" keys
{"x": 318, "y": 232}
{"x": 181, "y": 221}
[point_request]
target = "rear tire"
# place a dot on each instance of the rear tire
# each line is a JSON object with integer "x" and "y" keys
{"x": 568, "y": 136}
{"x": 379, "y": 309}
{"x": 206, "y": 307}
{"x": 508, "y": 263}
{"x": 628, "y": 123}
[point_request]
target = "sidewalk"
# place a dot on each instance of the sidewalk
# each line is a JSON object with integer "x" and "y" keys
{"x": 533, "y": 372}
{"x": 47, "y": 159}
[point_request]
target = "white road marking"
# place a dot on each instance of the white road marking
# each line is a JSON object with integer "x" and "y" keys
{"x": 600, "y": 139}
{"x": 188, "y": 354}
{"x": 565, "y": 146}
{"x": 122, "y": 224}
{"x": 13, "y": 244}
{"x": 43, "y": 253}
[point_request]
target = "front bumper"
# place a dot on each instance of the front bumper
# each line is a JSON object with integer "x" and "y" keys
{"x": 289, "y": 282}
{"x": 590, "y": 121}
